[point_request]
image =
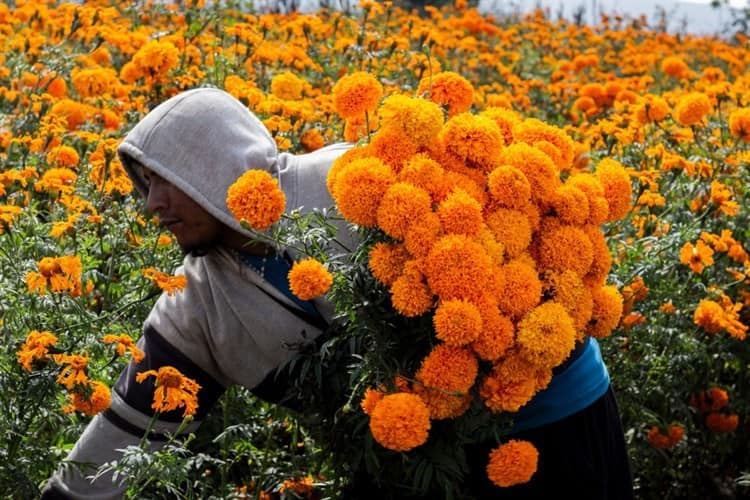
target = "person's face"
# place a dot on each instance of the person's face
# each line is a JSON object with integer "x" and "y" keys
{"x": 192, "y": 226}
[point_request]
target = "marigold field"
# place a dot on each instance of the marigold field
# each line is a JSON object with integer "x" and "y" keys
{"x": 81, "y": 262}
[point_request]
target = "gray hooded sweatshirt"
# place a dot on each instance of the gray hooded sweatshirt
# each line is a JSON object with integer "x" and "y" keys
{"x": 228, "y": 326}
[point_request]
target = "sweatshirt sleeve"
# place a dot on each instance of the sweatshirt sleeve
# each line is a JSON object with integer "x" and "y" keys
{"x": 125, "y": 423}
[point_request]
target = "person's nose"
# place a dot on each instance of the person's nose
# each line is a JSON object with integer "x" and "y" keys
{"x": 158, "y": 197}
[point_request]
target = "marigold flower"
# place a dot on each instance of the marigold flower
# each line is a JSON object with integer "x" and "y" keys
{"x": 302, "y": 488}
{"x": 172, "y": 390}
{"x": 35, "y": 348}
{"x": 288, "y": 86}
{"x": 74, "y": 113}
{"x": 124, "y": 344}
{"x": 505, "y": 119}
{"x": 739, "y": 123}
{"x": 571, "y": 205}
{"x": 94, "y": 82}
{"x": 565, "y": 247}
{"x": 511, "y": 384}
{"x": 312, "y": 140}
{"x": 73, "y": 372}
{"x": 422, "y": 171}
{"x": 522, "y": 291}
{"x": 720, "y": 423}
{"x": 474, "y": 140}
{"x": 356, "y": 94}
{"x": 567, "y": 289}
{"x": 422, "y": 234}
{"x": 675, "y": 67}
{"x": 400, "y": 422}
{"x": 691, "y": 109}
{"x": 359, "y": 188}
{"x": 370, "y": 399}
{"x": 57, "y": 180}
{"x": 537, "y": 167}
{"x": 448, "y": 368}
{"x": 546, "y": 335}
{"x": 511, "y": 228}
{"x": 91, "y": 399}
{"x": 410, "y": 295}
{"x": 63, "y": 157}
{"x": 663, "y": 440}
{"x": 497, "y": 334}
{"x": 607, "y": 311}
{"x": 713, "y": 399}
{"x": 341, "y": 163}
{"x": 590, "y": 185}
{"x": 387, "y": 261}
{"x": 256, "y": 198}
{"x": 457, "y": 322}
{"x": 509, "y": 187}
{"x": 418, "y": 119}
{"x": 617, "y": 187}
{"x": 356, "y": 128}
{"x": 58, "y": 274}
{"x": 602, "y": 260}
{"x": 107, "y": 172}
{"x": 514, "y": 462}
{"x": 652, "y": 109}
{"x": 697, "y": 256}
{"x": 457, "y": 268}
{"x": 448, "y": 89}
{"x": 401, "y": 206}
{"x": 460, "y": 213}
{"x": 155, "y": 59}
{"x": 532, "y": 131}
{"x": 392, "y": 146}
{"x": 168, "y": 283}
{"x": 309, "y": 279}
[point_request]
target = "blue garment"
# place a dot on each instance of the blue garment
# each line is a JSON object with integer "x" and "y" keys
{"x": 582, "y": 383}
{"x": 275, "y": 270}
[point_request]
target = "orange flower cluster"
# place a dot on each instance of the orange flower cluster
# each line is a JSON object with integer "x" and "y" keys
{"x": 723, "y": 315}
{"x": 475, "y": 218}
{"x": 124, "y": 343}
{"x": 168, "y": 283}
{"x": 709, "y": 405}
{"x": 173, "y": 390}
{"x": 309, "y": 279}
{"x": 665, "y": 438}
{"x": 56, "y": 274}
{"x": 256, "y": 198}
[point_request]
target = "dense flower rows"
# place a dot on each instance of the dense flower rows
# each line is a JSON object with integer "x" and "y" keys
{"x": 500, "y": 144}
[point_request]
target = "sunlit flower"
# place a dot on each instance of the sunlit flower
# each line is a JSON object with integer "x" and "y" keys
{"x": 511, "y": 228}
{"x": 565, "y": 247}
{"x": 473, "y": 139}
{"x": 457, "y": 322}
{"x": 35, "y": 348}
{"x": 255, "y": 197}
{"x": 617, "y": 188}
{"x": 288, "y": 86}
{"x": 607, "y": 311}
{"x": 739, "y": 123}
{"x": 590, "y": 185}
{"x": 505, "y": 119}
{"x": 522, "y": 291}
{"x": 460, "y": 213}
{"x": 418, "y": 119}
{"x": 457, "y": 268}
{"x": 356, "y": 93}
{"x": 309, "y": 279}
{"x": 422, "y": 234}
{"x": 94, "y": 82}
{"x": 124, "y": 344}
{"x": 497, "y": 334}
{"x": 168, "y": 283}
{"x": 312, "y": 140}
{"x": 448, "y": 89}
{"x": 509, "y": 187}
{"x": 532, "y": 131}
{"x": 691, "y": 109}
{"x": 546, "y": 335}
{"x": 537, "y": 167}
{"x": 63, "y": 157}
{"x": 444, "y": 379}
{"x": 387, "y": 261}
{"x": 511, "y": 384}
{"x": 410, "y": 294}
{"x": 511, "y": 463}
{"x": 401, "y": 206}
{"x": 392, "y": 146}
{"x": 675, "y": 67}
{"x": 696, "y": 256}
{"x": 400, "y": 421}
{"x": 359, "y": 188}
{"x": 155, "y": 59}
{"x": 172, "y": 390}
{"x": 57, "y": 274}
{"x": 89, "y": 399}
{"x": 73, "y": 372}
{"x": 57, "y": 180}
{"x": 421, "y": 170}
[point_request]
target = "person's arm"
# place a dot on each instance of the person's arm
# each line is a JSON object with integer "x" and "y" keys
{"x": 126, "y": 421}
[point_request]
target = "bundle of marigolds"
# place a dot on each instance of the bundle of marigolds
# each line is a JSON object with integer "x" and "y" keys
{"x": 484, "y": 229}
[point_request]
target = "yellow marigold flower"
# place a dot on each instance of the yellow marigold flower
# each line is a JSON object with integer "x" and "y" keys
{"x": 359, "y": 187}
{"x": 675, "y": 67}
{"x": 460, "y": 213}
{"x": 653, "y": 109}
{"x": 288, "y": 86}
{"x": 546, "y": 335}
{"x": 537, "y": 167}
{"x": 608, "y": 306}
{"x": 107, "y": 172}
{"x": 58, "y": 274}
{"x": 668, "y": 307}
{"x": 35, "y": 348}
{"x": 661, "y": 440}
{"x": 617, "y": 187}
{"x": 255, "y": 197}
{"x": 172, "y": 390}
{"x": 511, "y": 228}
{"x": 356, "y": 128}
{"x": 497, "y": 334}
{"x": 63, "y": 156}
{"x": 509, "y": 187}
{"x": 124, "y": 344}
{"x": 7, "y": 215}
{"x": 692, "y": 108}
{"x": 370, "y": 399}
{"x": 73, "y": 372}
{"x": 166, "y": 282}
{"x": 410, "y": 295}
{"x": 424, "y": 172}
{"x": 94, "y": 82}
{"x": 505, "y": 119}
{"x": 356, "y": 94}
{"x": 571, "y": 205}
{"x": 696, "y": 256}
{"x": 531, "y": 131}
{"x": 448, "y": 89}
{"x": 57, "y": 180}
{"x": 590, "y": 185}
{"x": 474, "y": 140}
{"x": 400, "y": 422}
{"x": 91, "y": 399}
{"x": 156, "y": 59}
{"x": 387, "y": 261}
{"x": 309, "y": 279}
{"x": 739, "y": 123}
{"x": 418, "y": 119}
{"x": 402, "y": 205}
{"x": 514, "y": 462}
{"x": 422, "y": 234}
{"x": 457, "y": 268}
{"x": 457, "y": 322}
{"x": 511, "y": 384}
{"x": 523, "y": 289}
{"x": 720, "y": 423}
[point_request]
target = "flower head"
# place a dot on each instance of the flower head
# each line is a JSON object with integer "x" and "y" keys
{"x": 460, "y": 213}
{"x": 168, "y": 283}
{"x": 410, "y": 295}
{"x": 617, "y": 188}
{"x": 720, "y": 423}
{"x": 511, "y": 384}
{"x": 697, "y": 256}
{"x": 448, "y": 89}
{"x": 400, "y": 421}
{"x": 356, "y": 93}
{"x": 359, "y": 187}
{"x": 739, "y": 123}
{"x": 509, "y": 187}
{"x": 474, "y": 140}
{"x": 416, "y": 118}
{"x": 387, "y": 261}
{"x": 173, "y": 390}
{"x": 457, "y": 267}
{"x": 608, "y": 306}
{"x": 35, "y": 348}
{"x": 457, "y": 322}
{"x": 288, "y": 86}
{"x": 90, "y": 399}
{"x": 665, "y": 438}
{"x": 546, "y": 335}
{"x": 514, "y": 462}
{"x": 691, "y": 109}
{"x": 73, "y": 372}
{"x": 124, "y": 344}
{"x": 256, "y": 198}
{"x": 309, "y": 279}
{"x": 401, "y": 206}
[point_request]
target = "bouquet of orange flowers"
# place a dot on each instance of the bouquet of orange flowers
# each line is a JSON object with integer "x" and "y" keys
{"x": 480, "y": 263}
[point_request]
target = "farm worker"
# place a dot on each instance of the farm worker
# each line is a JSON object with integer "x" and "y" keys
{"x": 235, "y": 320}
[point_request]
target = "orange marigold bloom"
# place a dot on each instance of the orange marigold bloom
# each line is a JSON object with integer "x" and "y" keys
{"x": 356, "y": 94}
{"x": 73, "y": 372}
{"x": 505, "y": 119}
{"x": 448, "y": 89}
{"x": 457, "y": 267}
{"x": 302, "y": 488}
{"x": 401, "y": 206}
{"x": 509, "y": 187}
{"x": 460, "y": 213}
{"x": 392, "y": 146}
{"x": 474, "y": 140}
{"x": 172, "y": 390}
{"x": 91, "y": 399}
{"x": 617, "y": 187}
{"x": 590, "y": 185}
{"x": 653, "y": 109}
{"x": 288, "y": 86}
{"x": 94, "y": 82}
{"x": 710, "y": 316}
{"x": 387, "y": 261}
{"x": 400, "y": 422}
{"x": 422, "y": 234}
{"x": 356, "y": 128}
{"x": 312, "y": 140}
{"x": 531, "y": 131}
{"x": 74, "y": 113}
{"x": 57, "y": 180}
{"x": 359, "y": 187}
{"x": 58, "y": 274}
{"x": 511, "y": 228}
{"x": 309, "y": 279}
{"x": 418, "y": 119}
{"x": 168, "y": 283}
{"x": 697, "y": 256}
{"x": 497, "y": 334}
{"x": 721, "y": 423}
{"x": 410, "y": 295}
{"x": 370, "y": 399}
{"x": 675, "y": 67}
{"x": 35, "y": 348}
{"x": 546, "y": 335}
{"x": 448, "y": 368}
{"x": 537, "y": 167}
{"x": 63, "y": 156}
{"x": 522, "y": 291}
{"x": 514, "y": 462}
{"x": 602, "y": 261}
{"x": 567, "y": 289}
{"x": 711, "y": 400}
{"x": 256, "y": 198}
{"x": 342, "y": 162}
{"x": 457, "y": 322}
{"x": 565, "y": 247}
{"x": 691, "y": 109}
{"x": 424, "y": 172}
{"x": 739, "y": 123}
{"x": 511, "y": 384}
{"x": 124, "y": 344}
{"x": 663, "y": 440}
{"x": 571, "y": 205}
{"x": 607, "y": 311}
{"x": 155, "y": 59}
